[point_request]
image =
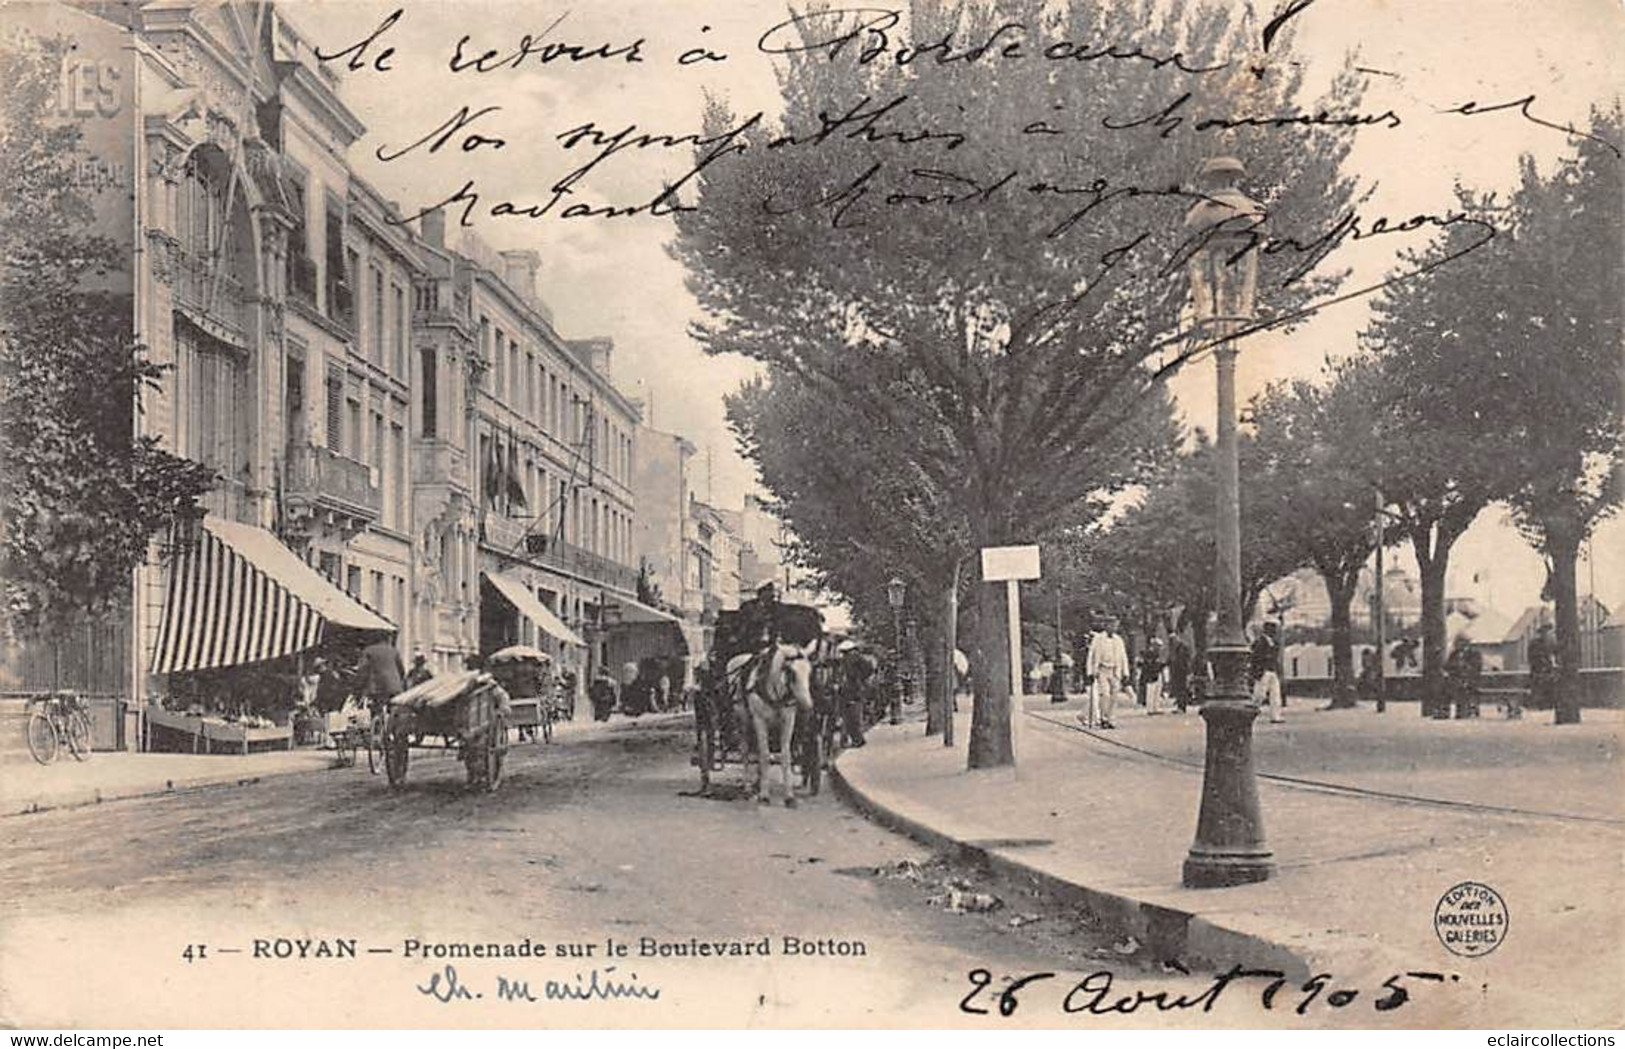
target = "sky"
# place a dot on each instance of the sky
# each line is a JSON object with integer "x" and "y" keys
{"x": 616, "y": 278}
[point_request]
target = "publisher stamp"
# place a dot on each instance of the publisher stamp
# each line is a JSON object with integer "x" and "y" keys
{"x": 1471, "y": 919}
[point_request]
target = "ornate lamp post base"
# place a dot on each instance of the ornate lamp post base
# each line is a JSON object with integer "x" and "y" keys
{"x": 1229, "y": 847}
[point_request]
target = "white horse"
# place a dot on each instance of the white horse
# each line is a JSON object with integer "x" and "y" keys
{"x": 778, "y": 683}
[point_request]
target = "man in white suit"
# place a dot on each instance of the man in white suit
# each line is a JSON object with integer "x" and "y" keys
{"x": 1108, "y": 669}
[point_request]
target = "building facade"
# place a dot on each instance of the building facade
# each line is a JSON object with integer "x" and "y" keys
{"x": 405, "y": 445}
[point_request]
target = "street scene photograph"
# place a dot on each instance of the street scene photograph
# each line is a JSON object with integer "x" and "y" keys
{"x": 971, "y": 515}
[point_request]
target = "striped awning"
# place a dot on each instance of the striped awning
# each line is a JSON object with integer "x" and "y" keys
{"x": 242, "y": 597}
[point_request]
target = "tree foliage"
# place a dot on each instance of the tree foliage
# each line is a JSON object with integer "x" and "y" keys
{"x": 81, "y": 497}
{"x": 979, "y": 258}
{"x": 1508, "y": 377}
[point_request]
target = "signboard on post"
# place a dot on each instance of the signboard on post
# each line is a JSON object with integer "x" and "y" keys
{"x": 1010, "y": 565}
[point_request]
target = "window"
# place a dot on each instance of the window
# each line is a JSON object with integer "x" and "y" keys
{"x": 397, "y": 446}
{"x": 379, "y": 321}
{"x": 353, "y": 582}
{"x": 429, "y": 394}
{"x": 530, "y": 385}
{"x": 354, "y": 429}
{"x": 332, "y": 567}
{"x": 498, "y": 355}
{"x": 219, "y": 425}
{"x": 375, "y": 457}
{"x": 335, "y": 411}
{"x": 401, "y": 339}
{"x": 378, "y": 590}
{"x": 485, "y": 344}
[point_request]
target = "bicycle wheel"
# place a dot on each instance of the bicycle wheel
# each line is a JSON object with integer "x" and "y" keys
{"x": 79, "y": 735}
{"x": 42, "y": 738}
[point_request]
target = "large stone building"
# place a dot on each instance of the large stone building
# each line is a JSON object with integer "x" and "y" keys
{"x": 406, "y": 446}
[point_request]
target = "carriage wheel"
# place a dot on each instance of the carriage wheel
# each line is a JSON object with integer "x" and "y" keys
{"x": 397, "y": 751}
{"x": 344, "y": 748}
{"x": 79, "y": 735}
{"x": 42, "y": 739}
{"x": 375, "y": 746}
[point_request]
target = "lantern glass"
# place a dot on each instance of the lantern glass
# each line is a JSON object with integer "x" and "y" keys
{"x": 896, "y": 590}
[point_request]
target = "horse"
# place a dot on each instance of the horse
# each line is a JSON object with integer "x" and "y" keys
{"x": 777, "y": 684}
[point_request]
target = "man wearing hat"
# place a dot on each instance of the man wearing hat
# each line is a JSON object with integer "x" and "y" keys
{"x": 420, "y": 672}
{"x": 1543, "y": 666}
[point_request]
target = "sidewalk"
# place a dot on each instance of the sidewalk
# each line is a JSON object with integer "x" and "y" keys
{"x": 27, "y": 786}
{"x": 1105, "y": 819}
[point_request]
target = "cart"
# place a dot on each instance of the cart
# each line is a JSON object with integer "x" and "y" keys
{"x": 467, "y": 712}
{"x": 526, "y": 674}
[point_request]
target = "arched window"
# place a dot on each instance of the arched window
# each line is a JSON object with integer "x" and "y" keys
{"x": 213, "y": 327}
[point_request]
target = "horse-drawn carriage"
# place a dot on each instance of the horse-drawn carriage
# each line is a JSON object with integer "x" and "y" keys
{"x": 467, "y": 711}
{"x": 763, "y": 675}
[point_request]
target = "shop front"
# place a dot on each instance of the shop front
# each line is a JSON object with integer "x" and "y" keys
{"x": 645, "y": 646}
{"x": 250, "y": 639}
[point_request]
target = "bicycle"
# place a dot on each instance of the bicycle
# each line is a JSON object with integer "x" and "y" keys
{"x": 56, "y": 719}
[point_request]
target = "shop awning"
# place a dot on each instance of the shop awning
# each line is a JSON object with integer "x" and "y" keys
{"x": 532, "y": 609}
{"x": 242, "y": 597}
{"x": 661, "y": 633}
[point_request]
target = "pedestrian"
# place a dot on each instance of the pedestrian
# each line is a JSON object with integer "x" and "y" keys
{"x": 1404, "y": 654}
{"x": 1153, "y": 676}
{"x": 1463, "y": 669}
{"x": 1266, "y": 670}
{"x": 604, "y": 694}
{"x": 1108, "y": 668}
{"x": 382, "y": 674}
{"x": 1543, "y": 672}
{"x": 1368, "y": 685}
{"x": 856, "y": 675}
{"x": 1179, "y": 671}
{"x": 420, "y": 672}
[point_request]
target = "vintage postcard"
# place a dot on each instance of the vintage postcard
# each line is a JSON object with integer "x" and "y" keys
{"x": 1081, "y": 514}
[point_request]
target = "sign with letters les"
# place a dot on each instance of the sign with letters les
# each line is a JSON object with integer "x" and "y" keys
{"x": 1002, "y": 563}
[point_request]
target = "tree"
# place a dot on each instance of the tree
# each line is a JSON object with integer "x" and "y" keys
{"x": 1441, "y": 461}
{"x": 1159, "y": 555}
{"x": 1314, "y": 464}
{"x": 920, "y": 245}
{"x": 1511, "y": 364}
{"x": 81, "y": 497}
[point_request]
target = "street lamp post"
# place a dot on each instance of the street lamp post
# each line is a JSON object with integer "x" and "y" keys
{"x": 1229, "y": 848}
{"x": 896, "y": 593}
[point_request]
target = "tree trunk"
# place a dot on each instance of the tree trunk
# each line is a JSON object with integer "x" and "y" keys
{"x": 1433, "y": 627}
{"x": 1564, "y": 549}
{"x": 990, "y": 745}
{"x": 1341, "y": 592}
{"x": 931, "y": 639}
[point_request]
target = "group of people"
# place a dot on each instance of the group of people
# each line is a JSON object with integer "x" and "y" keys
{"x": 1162, "y": 677}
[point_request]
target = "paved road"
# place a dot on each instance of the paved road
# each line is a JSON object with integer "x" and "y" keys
{"x": 594, "y": 837}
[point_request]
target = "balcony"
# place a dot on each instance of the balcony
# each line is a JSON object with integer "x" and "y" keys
{"x": 439, "y": 462}
{"x": 212, "y": 298}
{"x": 322, "y": 482}
{"x": 570, "y": 558}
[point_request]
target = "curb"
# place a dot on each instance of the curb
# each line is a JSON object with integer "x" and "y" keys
{"x": 96, "y": 796}
{"x": 1168, "y": 933}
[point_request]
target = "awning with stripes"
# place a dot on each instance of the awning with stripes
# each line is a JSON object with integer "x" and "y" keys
{"x": 242, "y": 597}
